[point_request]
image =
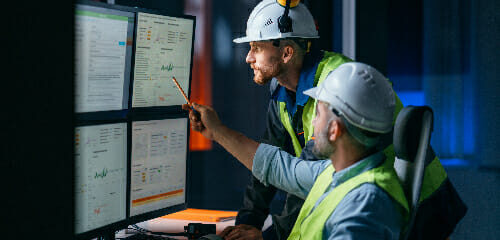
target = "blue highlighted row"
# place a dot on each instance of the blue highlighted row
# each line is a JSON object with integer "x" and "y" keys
{"x": 121, "y": 43}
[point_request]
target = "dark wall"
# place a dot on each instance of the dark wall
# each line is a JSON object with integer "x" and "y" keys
{"x": 323, "y": 21}
{"x": 479, "y": 191}
{"x": 485, "y": 46}
{"x": 404, "y": 41}
{"x": 37, "y": 121}
{"x": 372, "y": 33}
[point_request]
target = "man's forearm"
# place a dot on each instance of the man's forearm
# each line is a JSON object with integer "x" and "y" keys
{"x": 240, "y": 146}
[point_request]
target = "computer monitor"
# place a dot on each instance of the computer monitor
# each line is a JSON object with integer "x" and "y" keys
{"x": 103, "y": 57}
{"x": 100, "y": 177}
{"x": 163, "y": 49}
{"x": 130, "y": 166}
{"x": 158, "y": 167}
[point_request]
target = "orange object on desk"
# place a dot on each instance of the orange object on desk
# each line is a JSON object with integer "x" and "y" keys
{"x": 203, "y": 215}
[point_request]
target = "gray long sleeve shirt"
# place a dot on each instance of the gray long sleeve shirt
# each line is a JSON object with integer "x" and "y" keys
{"x": 367, "y": 212}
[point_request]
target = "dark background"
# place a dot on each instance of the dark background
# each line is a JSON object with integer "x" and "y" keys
{"x": 441, "y": 53}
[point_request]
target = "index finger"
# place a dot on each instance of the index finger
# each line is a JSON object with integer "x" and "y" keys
{"x": 198, "y": 107}
{"x": 186, "y": 107}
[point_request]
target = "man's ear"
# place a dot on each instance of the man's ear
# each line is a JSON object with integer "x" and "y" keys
{"x": 287, "y": 54}
{"x": 334, "y": 130}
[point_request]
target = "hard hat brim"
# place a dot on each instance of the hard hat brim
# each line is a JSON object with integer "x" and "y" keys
{"x": 246, "y": 39}
{"x": 242, "y": 40}
{"x": 312, "y": 92}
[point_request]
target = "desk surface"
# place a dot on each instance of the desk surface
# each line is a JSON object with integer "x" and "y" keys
{"x": 172, "y": 226}
{"x": 175, "y": 226}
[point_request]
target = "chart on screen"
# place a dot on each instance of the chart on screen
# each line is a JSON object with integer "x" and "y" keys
{"x": 163, "y": 50}
{"x": 101, "y": 175}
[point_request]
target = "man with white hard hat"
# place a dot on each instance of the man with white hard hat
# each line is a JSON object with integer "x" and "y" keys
{"x": 354, "y": 193}
{"x": 281, "y": 52}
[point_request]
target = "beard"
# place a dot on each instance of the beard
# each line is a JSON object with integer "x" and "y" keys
{"x": 265, "y": 73}
{"x": 322, "y": 147}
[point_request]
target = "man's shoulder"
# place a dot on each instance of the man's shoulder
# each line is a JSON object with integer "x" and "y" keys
{"x": 368, "y": 197}
{"x": 370, "y": 205}
{"x": 368, "y": 193}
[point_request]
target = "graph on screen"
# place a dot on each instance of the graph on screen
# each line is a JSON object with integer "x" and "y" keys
{"x": 158, "y": 174}
{"x": 163, "y": 50}
{"x": 103, "y": 53}
{"x": 101, "y": 175}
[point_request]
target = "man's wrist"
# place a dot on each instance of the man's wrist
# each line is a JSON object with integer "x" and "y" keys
{"x": 218, "y": 132}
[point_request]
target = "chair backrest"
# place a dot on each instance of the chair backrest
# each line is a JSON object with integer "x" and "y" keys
{"x": 411, "y": 139}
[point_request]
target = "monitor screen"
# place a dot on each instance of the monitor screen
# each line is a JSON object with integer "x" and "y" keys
{"x": 100, "y": 175}
{"x": 163, "y": 50}
{"x": 158, "y": 164}
{"x": 103, "y": 56}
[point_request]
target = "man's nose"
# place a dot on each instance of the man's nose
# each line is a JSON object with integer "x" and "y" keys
{"x": 250, "y": 58}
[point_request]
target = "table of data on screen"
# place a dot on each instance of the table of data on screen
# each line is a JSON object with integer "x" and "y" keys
{"x": 158, "y": 164}
{"x": 103, "y": 59}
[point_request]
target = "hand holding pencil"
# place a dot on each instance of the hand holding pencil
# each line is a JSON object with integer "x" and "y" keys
{"x": 205, "y": 120}
{"x": 204, "y": 124}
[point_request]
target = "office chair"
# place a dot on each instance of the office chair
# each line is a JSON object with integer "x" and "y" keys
{"x": 411, "y": 139}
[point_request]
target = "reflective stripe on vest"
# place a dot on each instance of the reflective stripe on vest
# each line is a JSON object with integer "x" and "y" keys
{"x": 310, "y": 224}
{"x": 329, "y": 62}
{"x": 434, "y": 176}
{"x": 285, "y": 120}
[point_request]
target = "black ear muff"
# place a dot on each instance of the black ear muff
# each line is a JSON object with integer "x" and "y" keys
{"x": 285, "y": 22}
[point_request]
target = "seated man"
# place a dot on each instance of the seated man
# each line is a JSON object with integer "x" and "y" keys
{"x": 354, "y": 193}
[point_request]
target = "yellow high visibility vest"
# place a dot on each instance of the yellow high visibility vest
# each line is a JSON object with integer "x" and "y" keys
{"x": 310, "y": 224}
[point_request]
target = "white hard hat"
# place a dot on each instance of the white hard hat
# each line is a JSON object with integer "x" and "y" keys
{"x": 361, "y": 94}
{"x": 263, "y": 23}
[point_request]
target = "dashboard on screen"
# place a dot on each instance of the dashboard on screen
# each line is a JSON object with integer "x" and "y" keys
{"x": 158, "y": 164}
{"x": 100, "y": 175}
{"x": 103, "y": 57}
{"x": 163, "y": 49}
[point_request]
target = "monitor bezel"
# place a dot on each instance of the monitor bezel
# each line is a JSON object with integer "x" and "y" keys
{"x": 159, "y": 109}
{"x": 167, "y": 210}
